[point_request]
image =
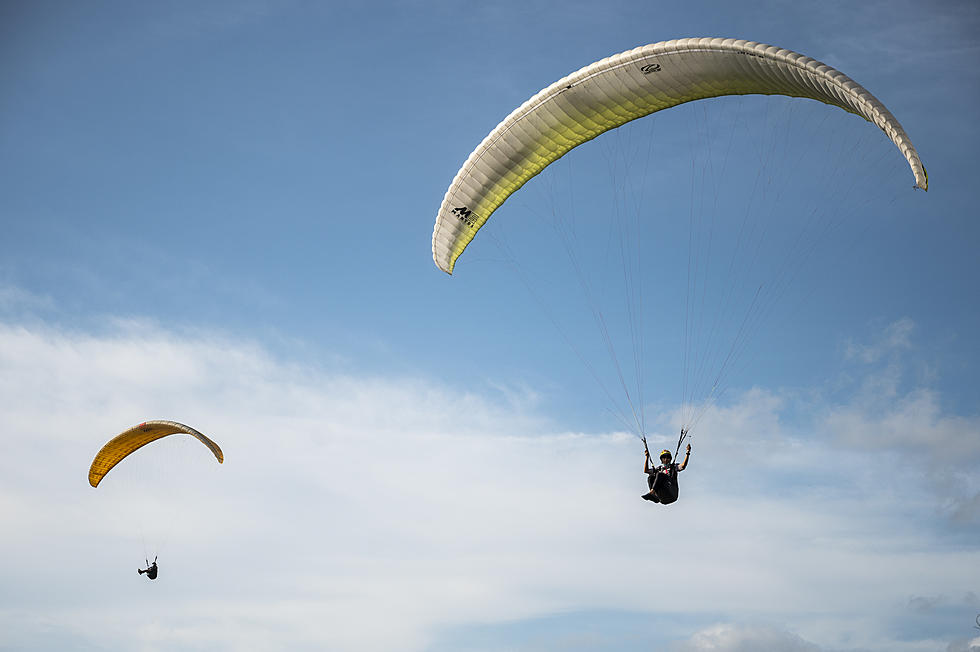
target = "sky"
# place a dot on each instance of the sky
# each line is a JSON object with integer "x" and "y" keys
{"x": 220, "y": 213}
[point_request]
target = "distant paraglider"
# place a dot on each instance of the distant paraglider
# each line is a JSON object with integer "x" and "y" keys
{"x": 151, "y": 570}
{"x": 131, "y": 440}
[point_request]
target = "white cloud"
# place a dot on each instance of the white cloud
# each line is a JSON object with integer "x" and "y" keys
{"x": 895, "y": 337}
{"x": 734, "y": 638}
{"x": 371, "y": 513}
{"x": 935, "y": 451}
{"x": 964, "y": 645}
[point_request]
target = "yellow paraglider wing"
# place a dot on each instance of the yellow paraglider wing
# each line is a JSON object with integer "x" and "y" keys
{"x": 135, "y": 438}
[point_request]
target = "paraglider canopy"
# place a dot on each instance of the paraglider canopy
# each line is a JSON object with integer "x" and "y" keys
{"x": 609, "y": 93}
{"x": 135, "y": 438}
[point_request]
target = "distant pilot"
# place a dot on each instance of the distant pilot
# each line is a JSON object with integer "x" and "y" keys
{"x": 151, "y": 570}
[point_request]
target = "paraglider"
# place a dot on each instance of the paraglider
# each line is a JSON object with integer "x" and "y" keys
{"x": 604, "y": 96}
{"x": 131, "y": 440}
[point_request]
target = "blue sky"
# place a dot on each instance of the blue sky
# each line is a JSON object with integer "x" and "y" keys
{"x": 221, "y": 214}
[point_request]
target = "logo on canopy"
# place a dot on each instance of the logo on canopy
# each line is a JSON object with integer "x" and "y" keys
{"x": 465, "y": 215}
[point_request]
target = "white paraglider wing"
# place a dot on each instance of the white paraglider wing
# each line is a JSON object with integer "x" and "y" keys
{"x": 624, "y": 87}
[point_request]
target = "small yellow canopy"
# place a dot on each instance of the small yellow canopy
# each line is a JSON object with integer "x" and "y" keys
{"x": 135, "y": 438}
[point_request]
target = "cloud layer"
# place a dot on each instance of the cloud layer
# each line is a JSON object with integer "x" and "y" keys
{"x": 374, "y": 513}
